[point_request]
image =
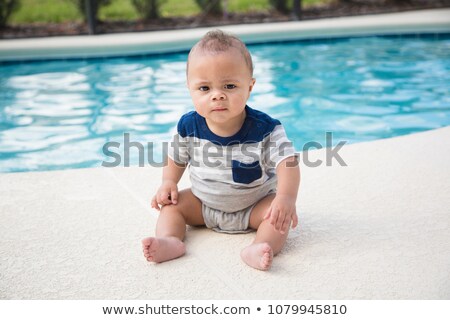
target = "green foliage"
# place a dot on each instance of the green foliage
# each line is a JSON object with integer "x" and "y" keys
{"x": 243, "y": 6}
{"x": 280, "y": 5}
{"x": 213, "y": 7}
{"x": 148, "y": 9}
{"x": 45, "y": 11}
{"x": 177, "y": 8}
{"x": 58, "y": 11}
{"x": 118, "y": 10}
{"x": 81, "y": 6}
{"x": 7, "y": 7}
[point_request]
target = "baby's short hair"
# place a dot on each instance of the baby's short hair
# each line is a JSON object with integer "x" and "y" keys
{"x": 217, "y": 41}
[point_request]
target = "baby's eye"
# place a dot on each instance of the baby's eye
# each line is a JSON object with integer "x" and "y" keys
{"x": 230, "y": 86}
{"x": 203, "y": 88}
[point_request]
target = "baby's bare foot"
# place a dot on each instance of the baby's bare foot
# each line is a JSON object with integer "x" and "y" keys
{"x": 162, "y": 249}
{"x": 258, "y": 256}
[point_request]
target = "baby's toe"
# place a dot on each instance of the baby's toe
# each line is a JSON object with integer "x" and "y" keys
{"x": 265, "y": 261}
{"x": 147, "y": 242}
{"x": 266, "y": 248}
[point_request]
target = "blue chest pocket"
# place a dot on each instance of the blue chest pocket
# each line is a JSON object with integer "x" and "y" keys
{"x": 246, "y": 172}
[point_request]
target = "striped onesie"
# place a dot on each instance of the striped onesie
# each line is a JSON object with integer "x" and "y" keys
{"x": 231, "y": 174}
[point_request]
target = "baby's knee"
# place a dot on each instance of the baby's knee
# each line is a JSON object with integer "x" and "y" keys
{"x": 169, "y": 209}
{"x": 173, "y": 211}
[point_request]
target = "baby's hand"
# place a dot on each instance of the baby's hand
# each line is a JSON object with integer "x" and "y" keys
{"x": 281, "y": 212}
{"x": 166, "y": 194}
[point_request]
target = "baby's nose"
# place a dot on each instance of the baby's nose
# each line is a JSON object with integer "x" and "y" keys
{"x": 218, "y": 95}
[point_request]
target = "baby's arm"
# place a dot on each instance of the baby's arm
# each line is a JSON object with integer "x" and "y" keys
{"x": 168, "y": 191}
{"x": 282, "y": 209}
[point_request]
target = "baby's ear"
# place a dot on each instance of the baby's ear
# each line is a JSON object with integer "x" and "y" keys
{"x": 252, "y": 84}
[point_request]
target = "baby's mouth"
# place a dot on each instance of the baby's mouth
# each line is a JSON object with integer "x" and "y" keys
{"x": 219, "y": 109}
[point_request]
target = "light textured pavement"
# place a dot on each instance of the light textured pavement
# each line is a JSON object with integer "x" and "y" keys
{"x": 375, "y": 229}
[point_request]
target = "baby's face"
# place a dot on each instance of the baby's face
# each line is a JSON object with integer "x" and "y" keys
{"x": 220, "y": 85}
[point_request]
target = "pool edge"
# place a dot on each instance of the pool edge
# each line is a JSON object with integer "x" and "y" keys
{"x": 123, "y": 44}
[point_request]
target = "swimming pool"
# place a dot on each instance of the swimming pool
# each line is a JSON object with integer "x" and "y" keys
{"x": 59, "y": 114}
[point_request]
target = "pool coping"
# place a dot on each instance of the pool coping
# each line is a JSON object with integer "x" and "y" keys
{"x": 138, "y": 43}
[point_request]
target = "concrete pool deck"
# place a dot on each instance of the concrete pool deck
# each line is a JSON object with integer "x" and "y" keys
{"x": 375, "y": 229}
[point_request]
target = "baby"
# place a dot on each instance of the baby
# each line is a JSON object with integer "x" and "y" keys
{"x": 243, "y": 169}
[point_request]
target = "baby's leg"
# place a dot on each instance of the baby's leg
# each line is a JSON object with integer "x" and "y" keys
{"x": 268, "y": 241}
{"x": 171, "y": 228}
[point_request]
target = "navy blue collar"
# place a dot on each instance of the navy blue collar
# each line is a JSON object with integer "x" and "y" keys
{"x": 238, "y": 137}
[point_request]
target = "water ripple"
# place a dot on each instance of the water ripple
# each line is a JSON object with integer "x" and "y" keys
{"x": 59, "y": 114}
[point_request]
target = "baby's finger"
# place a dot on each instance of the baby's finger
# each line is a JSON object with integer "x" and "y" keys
{"x": 285, "y": 226}
{"x": 294, "y": 220}
{"x": 280, "y": 220}
{"x": 165, "y": 198}
{"x": 174, "y": 196}
{"x": 160, "y": 198}
{"x": 273, "y": 216}
{"x": 154, "y": 203}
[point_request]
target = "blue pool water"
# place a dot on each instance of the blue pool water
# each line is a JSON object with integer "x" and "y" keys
{"x": 59, "y": 114}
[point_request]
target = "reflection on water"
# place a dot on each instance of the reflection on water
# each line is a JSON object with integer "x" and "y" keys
{"x": 59, "y": 114}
